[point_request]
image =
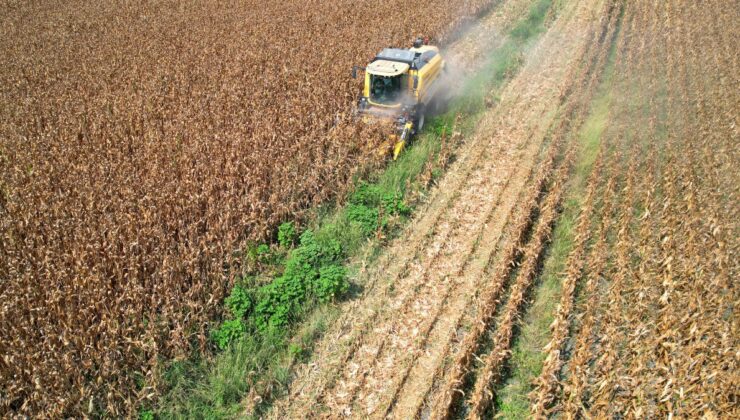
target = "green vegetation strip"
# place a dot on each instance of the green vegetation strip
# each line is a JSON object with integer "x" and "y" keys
{"x": 527, "y": 355}
{"x": 276, "y": 312}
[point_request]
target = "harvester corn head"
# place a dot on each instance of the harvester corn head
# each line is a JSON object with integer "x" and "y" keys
{"x": 401, "y": 85}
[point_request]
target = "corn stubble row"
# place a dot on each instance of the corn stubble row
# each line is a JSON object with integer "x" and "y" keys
{"x": 520, "y": 225}
{"x": 656, "y": 334}
{"x": 141, "y": 146}
{"x": 538, "y": 216}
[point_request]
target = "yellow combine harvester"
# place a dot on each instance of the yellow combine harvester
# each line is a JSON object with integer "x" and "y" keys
{"x": 401, "y": 85}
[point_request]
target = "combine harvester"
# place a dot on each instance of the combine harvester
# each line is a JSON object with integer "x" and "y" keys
{"x": 402, "y": 85}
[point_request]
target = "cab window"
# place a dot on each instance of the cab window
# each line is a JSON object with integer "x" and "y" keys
{"x": 386, "y": 90}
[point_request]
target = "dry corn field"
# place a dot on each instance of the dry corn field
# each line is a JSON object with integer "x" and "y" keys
{"x": 143, "y": 145}
{"x": 646, "y": 325}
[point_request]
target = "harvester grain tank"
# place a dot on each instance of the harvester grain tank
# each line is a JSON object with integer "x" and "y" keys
{"x": 402, "y": 85}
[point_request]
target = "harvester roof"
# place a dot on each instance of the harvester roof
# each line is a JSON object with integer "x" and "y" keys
{"x": 387, "y": 68}
{"x": 396, "y": 54}
{"x": 415, "y": 58}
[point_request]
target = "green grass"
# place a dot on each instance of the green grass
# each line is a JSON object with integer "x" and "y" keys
{"x": 533, "y": 24}
{"x": 260, "y": 359}
{"x": 215, "y": 387}
{"x": 527, "y": 356}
